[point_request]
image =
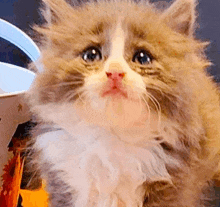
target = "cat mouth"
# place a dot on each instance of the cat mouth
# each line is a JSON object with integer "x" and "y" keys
{"x": 115, "y": 91}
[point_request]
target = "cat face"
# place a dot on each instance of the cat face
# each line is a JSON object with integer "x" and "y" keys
{"x": 119, "y": 61}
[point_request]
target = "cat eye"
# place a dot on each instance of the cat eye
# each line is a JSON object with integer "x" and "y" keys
{"x": 142, "y": 57}
{"x": 92, "y": 54}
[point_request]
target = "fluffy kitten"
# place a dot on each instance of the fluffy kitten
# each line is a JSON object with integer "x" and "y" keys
{"x": 128, "y": 115}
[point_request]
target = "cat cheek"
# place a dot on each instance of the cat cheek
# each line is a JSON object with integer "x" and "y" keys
{"x": 136, "y": 82}
{"x": 95, "y": 79}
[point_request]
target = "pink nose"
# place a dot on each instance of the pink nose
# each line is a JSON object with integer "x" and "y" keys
{"x": 115, "y": 75}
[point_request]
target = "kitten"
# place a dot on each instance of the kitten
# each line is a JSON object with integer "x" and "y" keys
{"x": 128, "y": 115}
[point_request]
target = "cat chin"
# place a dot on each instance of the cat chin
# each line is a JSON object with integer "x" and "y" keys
{"x": 114, "y": 111}
{"x": 122, "y": 115}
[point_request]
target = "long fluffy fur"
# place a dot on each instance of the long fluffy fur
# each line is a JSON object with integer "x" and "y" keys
{"x": 88, "y": 148}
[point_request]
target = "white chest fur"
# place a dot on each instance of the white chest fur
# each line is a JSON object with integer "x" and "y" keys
{"x": 101, "y": 167}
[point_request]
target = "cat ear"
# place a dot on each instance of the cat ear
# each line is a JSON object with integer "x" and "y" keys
{"x": 55, "y": 10}
{"x": 181, "y": 16}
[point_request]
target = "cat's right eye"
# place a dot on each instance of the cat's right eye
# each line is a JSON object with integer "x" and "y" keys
{"x": 142, "y": 57}
{"x": 92, "y": 54}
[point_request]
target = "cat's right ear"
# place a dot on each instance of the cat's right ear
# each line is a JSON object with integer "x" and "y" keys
{"x": 55, "y": 10}
{"x": 181, "y": 15}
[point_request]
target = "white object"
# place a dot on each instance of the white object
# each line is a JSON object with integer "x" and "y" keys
{"x": 14, "y": 81}
{"x": 16, "y": 36}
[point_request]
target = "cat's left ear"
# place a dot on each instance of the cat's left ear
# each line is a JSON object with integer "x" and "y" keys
{"x": 181, "y": 16}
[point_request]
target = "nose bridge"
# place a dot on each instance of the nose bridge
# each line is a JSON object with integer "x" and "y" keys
{"x": 115, "y": 67}
{"x": 116, "y": 62}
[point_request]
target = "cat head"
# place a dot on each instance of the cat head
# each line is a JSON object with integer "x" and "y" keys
{"x": 118, "y": 61}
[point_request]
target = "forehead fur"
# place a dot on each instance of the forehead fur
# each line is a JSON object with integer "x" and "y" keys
{"x": 92, "y": 20}
{"x": 74, "y": 29}
{"x": 90, "y": 23}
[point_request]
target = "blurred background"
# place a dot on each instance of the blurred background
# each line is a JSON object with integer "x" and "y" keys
{"x": 24, "y": 13}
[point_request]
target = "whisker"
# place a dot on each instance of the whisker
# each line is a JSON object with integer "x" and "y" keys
{"x": 81, "y": 95}
{"x": 69, "y": 95}
{"x": 158, "y": 107}
{"x": 67, "y": 83}
{"x": 155, "y": 101}
{"x": 168, "y": 94}
{"x": 148, "y": 107}
{"x": 156, "y": 88}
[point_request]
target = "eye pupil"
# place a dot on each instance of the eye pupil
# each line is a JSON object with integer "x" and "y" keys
{"x": 142, "y": 57}
{"x": 92, "y": 54}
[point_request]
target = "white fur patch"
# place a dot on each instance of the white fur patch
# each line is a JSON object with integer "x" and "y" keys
{"x": 95, "y": 162}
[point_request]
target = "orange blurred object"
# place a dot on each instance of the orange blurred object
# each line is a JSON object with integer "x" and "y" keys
{"x": 11, "y": 187}
{"x": 36, "y": 198}
{"x": 11, "y": 182}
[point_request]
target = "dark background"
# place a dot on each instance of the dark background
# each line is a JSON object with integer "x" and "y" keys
{"x": 24, "y": 13}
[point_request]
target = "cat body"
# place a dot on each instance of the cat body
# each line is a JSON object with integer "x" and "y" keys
{"x": 127, "y": 113}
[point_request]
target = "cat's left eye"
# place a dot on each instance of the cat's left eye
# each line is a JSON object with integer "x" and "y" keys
{"x": 142, "y": 57}
{"x": 92, "y": 54}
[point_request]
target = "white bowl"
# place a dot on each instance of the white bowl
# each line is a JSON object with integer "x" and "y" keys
{"x": 14, "y": 81}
